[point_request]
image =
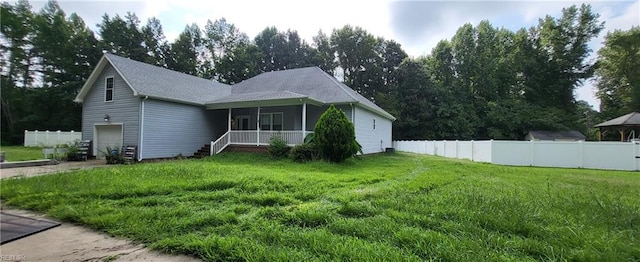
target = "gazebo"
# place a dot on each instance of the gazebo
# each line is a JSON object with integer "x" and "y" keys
{"x": 629, "y": 122}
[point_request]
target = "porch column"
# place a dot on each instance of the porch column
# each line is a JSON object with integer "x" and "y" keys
{"x": 304, "y": 120}
{"x": 229, "y": 121}
{"x": 258, "y": 128}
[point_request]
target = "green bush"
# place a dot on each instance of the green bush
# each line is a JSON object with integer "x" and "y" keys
{"x": 278, "y": 148}
{"x": 112, "y": 156}
{"x": 304, "y": 152}
{"x": 335, "y": 136}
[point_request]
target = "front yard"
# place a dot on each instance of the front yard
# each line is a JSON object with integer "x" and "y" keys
{"x": 388, "y": 207}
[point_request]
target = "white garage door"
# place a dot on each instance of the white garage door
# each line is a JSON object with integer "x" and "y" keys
{"x": 107, "y": 136}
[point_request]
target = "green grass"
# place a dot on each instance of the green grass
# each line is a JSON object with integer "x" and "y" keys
{"x": 391, "y": 207}
{"x": 20, "y": 153}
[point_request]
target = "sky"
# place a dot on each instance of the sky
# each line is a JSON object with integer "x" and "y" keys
{"x": 417, "y": 25}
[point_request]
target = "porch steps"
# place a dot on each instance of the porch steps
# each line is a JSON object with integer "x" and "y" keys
{"x": 203, "y": 151}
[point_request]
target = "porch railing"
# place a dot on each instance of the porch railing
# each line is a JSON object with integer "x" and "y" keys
{"x": 250, "y": 137}
{"x": 220, "y": 144}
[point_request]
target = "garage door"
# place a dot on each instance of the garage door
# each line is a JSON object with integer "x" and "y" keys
{"x": 108, "y": 136}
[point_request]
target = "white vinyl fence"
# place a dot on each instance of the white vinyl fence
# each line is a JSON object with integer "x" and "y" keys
{"x": 597, "y": 155}
{"x": 50, "y": 138}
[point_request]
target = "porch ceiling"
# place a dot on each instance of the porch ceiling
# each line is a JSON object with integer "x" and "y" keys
{"x": 283, "y": 98}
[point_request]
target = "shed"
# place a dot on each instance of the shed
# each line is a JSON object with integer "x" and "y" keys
{"x": 547, "y": 135}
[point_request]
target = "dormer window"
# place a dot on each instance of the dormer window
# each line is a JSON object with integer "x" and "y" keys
{"x": 108, "y": 89}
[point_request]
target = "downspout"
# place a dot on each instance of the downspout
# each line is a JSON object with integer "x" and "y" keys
{"x": 141, "y": 128}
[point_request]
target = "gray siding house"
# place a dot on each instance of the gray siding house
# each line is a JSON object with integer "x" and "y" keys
{"x": 167, "y": 113}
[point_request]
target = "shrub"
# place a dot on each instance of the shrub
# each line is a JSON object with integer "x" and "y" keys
{"x": 112, "y": 156}
{"x": 278, "y": 148}
{"x": 304, "y": 152}
{"x": 335, "y": 136}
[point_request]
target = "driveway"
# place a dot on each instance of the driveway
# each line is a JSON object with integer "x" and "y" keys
{"x": 43, "y": 170}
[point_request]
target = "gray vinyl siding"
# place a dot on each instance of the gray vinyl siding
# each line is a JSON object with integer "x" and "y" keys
{"x": 314, "y": 113}
{"x": 372, "y": 140}
{"x": 171, "y": 129}
{"x": 124, "y": 109}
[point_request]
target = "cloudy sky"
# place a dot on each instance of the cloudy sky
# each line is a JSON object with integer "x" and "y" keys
{"x": 417, "y": 25}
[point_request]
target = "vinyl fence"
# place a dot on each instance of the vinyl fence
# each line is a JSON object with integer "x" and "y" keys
{"x": 596, "y": 155}
{"x": 50, "y": 138}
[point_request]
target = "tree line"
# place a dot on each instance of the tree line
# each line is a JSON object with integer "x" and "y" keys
{"x": 484, "y": 82}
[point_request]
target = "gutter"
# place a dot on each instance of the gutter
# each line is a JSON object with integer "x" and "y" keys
{"x": 141, "y": 128}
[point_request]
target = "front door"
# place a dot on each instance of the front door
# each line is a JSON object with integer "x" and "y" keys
{"x": 243, "y": 122}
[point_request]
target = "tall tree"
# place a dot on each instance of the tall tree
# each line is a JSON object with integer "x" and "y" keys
{"x": 325, "y": 55}
{"x": 155, "y": 43}
{"x": 123, "y": 36}
{"x": 357, "y": 56}
{"x": 618, "y": 75}
{"x": 187, "y": 52}
{"x": 240, "y": 63}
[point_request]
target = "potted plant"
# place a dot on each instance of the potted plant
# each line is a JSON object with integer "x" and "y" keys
{"x": 72, "y": 152}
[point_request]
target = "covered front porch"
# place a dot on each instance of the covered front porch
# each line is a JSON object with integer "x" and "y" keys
{"x": 257, "y": 122}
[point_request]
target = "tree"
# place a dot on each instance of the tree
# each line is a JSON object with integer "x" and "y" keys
{"x": 356, "y": 54}
{"x": 618, "y": 75}
{"x": 187, "y": 53}
{"x": 123, "y": 36}
{"x": 417, "y": 111}
{"x": 283, "y": 50}
{"x": 324, "y": 55}
{"x": 241, "y": 63}
{"x": 335, "y": 136}
{"x": 155, "y": 43}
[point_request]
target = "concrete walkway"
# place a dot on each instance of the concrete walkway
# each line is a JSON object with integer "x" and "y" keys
{"x": 43, "y": 170}
{"x": 74, "y": 243}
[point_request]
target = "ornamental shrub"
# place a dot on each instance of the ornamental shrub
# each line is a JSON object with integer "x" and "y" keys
{"x": 278, "y": 148}
{"x": 304, "y": 152}
{"x": 335, "y": 136}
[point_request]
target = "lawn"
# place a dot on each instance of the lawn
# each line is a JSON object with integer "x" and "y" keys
{"x": 388, "y": 207}
{"x": 20, "y": 153}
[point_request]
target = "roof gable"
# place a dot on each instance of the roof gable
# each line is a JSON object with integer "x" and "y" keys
{"x": 157, "y": 82}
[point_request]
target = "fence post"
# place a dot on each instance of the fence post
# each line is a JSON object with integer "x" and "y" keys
{"x": 581, "y": 154}
{"x": 58, "y": 141}
{"x": 472, "y": 150}
{"x": 532, "y": 153}
{"x": 35, "y": 137}
{"x": 457, "y": 149}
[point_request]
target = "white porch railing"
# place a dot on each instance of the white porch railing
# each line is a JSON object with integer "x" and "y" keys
{"x": 250, "y": 137}
{"x": 220, "y": 144}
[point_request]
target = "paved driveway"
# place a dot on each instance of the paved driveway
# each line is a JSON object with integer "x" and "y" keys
{"x": 43, "y": 170}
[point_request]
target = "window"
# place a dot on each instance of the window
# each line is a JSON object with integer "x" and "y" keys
{"x": 271, "y": 121}
{"x": 108, "y": 90}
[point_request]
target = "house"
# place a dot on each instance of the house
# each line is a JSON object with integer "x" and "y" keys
{"x": 167, "y": 113}
{"x": 538, "y": 135}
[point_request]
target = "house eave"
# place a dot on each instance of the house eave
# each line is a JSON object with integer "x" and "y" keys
{"x": 263, "y": 103}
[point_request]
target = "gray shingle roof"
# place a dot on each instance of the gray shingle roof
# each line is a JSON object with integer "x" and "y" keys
{"x": 309, "y": 81}
{"x": 553, "y": 135}
{"x": 631, "y": 119}
{"x": 162, "y": 83}
{"x": 257, "y": 96}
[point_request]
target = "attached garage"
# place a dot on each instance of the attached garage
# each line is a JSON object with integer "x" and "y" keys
{"x": 107, "y": 136}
